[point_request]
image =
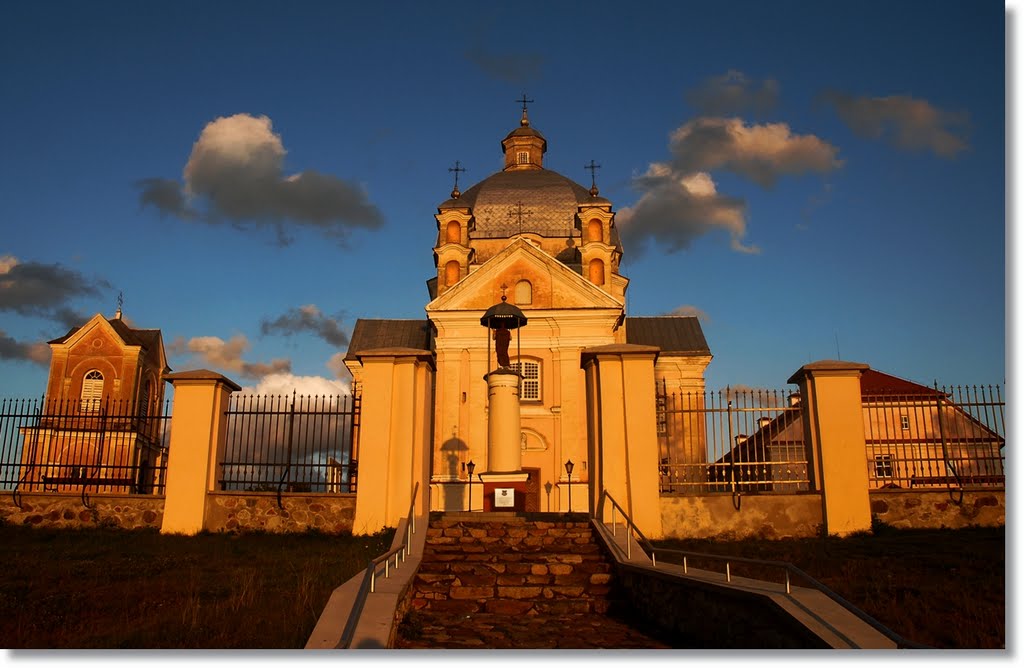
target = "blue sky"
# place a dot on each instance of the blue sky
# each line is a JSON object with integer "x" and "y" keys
{"x": 859, "y": 211}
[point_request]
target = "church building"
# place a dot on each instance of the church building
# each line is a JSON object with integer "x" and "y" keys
{"x": 96, "y": 430}
{"x": 535, "y": 239}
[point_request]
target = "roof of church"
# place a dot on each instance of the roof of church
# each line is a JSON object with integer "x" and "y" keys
{"x": 550, "y": 202}
{"x": 371, "y": 334}
{"x": 147, "y": 338}
{"x": 671, "y": 333}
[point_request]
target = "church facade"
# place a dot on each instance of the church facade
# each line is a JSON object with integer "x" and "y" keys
{"x": 550, "y": 247}
{"x": 99, "y": 425}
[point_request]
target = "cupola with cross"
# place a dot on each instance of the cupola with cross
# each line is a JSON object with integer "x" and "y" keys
{"x": 572, "y": 224}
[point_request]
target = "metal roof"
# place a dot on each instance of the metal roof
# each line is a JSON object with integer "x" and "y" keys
{"x": 550, "y": 203}
{"x": 371, "y": 334}
{"x": 670, "y": 333}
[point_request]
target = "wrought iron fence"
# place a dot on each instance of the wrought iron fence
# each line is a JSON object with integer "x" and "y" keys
{"x": 732, "y": 440}
{"x": 73, "y": 445}
{"x": 290, "y": 444}
{"x": 945, "y": 437}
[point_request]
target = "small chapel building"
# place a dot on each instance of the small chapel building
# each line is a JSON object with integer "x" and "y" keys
{"x": 98, "y": 426}
{"x": 588, "y": 372}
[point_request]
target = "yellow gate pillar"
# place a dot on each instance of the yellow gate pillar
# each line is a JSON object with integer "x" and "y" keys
{"x": 623, "y": 431}
{"x": 198, "y": 436}
{"x": 833, "y": 421}
{"x": 395, "y": 432}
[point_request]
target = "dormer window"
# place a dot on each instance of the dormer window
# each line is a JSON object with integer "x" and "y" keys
{"x": 523, "y": 158}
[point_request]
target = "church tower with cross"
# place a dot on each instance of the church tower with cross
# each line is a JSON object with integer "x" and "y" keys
{"x": 539, "y": 242}
{"x": 562, "y": 218}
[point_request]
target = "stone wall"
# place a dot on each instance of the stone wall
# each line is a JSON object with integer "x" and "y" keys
{"x": 938, "y": 509}
{"x": 758, "y": 516}
{"x": 241, "y": 511}
{"x": 67, "y": 510}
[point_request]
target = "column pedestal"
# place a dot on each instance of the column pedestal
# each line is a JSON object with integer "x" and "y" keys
{"x": 505, "y": 491}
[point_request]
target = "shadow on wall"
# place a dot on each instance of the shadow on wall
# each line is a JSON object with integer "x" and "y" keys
{"x": 454, "y": 451}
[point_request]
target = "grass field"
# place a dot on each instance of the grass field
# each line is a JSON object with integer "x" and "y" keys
{"x": 139, "y": 589}
{"x": 943, "y": 588}
{"x": 100, "y": 588}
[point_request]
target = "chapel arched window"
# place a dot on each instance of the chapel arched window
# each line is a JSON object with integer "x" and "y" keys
{"x": 92, "y": 391}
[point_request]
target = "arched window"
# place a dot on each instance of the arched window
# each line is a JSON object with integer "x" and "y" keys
{"x": 595, "y": 231}
{"x": 524, "y": 292}
{"x": 529, "y": 388}
{"x": 451, "y": 273}
{"x": 92, "y": 391}
{"x": 454, "y": 232}
{"x": 523, "y": 157}
{"x": 597, "y": 272}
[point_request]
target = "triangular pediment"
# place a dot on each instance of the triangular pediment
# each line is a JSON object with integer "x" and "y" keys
{"x": 95, "y": 324}
{"x": 553, "y": 285}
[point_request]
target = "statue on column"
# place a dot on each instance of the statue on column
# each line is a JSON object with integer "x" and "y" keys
{"x": 502, "y": 337}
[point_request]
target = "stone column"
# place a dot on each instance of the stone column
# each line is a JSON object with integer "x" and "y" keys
{"x": 198, "y": 436}
{"x": 505, "y": 478}
{"x": 833, "y": 423}
{"x": 504, "y": 427}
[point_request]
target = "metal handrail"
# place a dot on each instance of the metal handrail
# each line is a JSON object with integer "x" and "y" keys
{"x": 790, "y": 570}
{"x": 369, "y": 583}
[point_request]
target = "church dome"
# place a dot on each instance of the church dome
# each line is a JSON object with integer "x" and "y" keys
{"x": 549, "y": 203}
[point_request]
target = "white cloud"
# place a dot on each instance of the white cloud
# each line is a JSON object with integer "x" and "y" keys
{"x": 287, "y": 383}
{"x": 337, "y": 366}
{"x": 236, "y": 173}
{"x": 761, "y": 153}
{"x": 228, "y": 355}
{"x": 692, "y": 311}
{"x": 675, "y": 209}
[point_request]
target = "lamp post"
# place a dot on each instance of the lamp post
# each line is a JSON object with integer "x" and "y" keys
{"x": 470, "y": 467}
{"x": 568, "y": 473}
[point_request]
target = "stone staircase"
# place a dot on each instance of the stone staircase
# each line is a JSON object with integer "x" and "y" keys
{"x": 511, "y": 565}
{"x": 494, "y": 580}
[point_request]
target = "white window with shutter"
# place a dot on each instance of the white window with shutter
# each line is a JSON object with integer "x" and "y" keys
{"x": 92, "y": 391}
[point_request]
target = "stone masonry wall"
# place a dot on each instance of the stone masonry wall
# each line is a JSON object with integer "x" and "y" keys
{"x": 758, "y": 516}
{"x": 66, "y": 511}
{"x": 936, "y": 510}
{"x": 241, "y": 511}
